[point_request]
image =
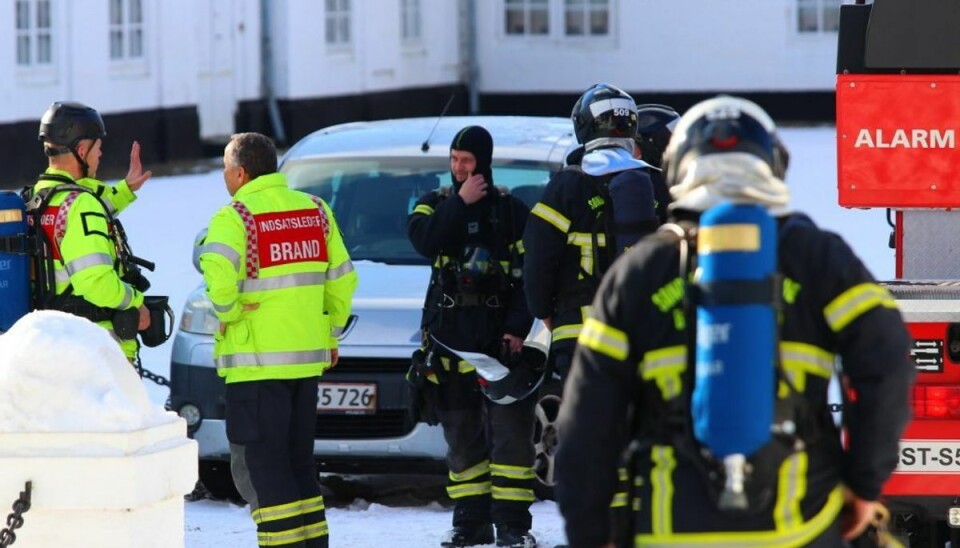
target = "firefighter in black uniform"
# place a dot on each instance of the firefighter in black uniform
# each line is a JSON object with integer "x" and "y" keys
{"x": 655, "y": 125}
{"x": 632, "y": 364}
{"x": 566, "y": 239}
{"x": 471, "y": 233}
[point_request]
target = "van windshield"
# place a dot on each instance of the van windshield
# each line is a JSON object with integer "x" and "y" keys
{"x": 372, "y": 197}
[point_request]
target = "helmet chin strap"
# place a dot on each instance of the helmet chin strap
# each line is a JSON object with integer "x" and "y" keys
{"x": 84, "y": 167}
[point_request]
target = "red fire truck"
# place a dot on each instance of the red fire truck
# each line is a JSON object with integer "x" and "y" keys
{"x": 898, "y": 123}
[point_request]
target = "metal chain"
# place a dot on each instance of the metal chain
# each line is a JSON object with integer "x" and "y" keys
{"x": 151, "y": 376}
{"x": 15, "y": 519}
{"x": 147, "y": 374}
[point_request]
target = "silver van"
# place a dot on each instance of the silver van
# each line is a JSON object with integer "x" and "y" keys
{"x": 371, "y": 174}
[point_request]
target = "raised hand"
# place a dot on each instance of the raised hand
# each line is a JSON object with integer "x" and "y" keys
{"x": 135, "y": 175}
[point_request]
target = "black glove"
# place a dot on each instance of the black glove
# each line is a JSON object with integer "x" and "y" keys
{"x": 423, "y": 392}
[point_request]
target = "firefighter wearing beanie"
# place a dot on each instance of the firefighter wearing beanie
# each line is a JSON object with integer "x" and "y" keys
{"x": 470, "y": 233}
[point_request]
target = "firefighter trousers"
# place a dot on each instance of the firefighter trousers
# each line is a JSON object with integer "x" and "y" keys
{"x": 271, "y": 425}
{"x": 490, "y": 455}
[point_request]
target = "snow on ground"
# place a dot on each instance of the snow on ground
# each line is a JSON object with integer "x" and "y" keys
{"x": 170, "y": 211}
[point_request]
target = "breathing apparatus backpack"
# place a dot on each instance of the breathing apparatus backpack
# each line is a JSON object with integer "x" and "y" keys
{"x": 14, "y": 260}
{"x": 29, "y": 283}
{"x": 627, "y": 214}
{"x": 739, "y": 417}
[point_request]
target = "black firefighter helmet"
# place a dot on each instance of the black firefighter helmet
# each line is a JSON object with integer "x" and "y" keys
{"x": 604, "y": 112}
{"x": 655, "y": 125}
{"x": 515, "y": 381}
{"x": 66, "y": 124}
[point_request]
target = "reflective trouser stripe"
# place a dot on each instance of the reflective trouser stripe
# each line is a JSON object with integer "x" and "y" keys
{"x": 801, "y": 535}
{"x": 290, "y": 509}
{"x": 471, "y": 482}
{"x": 512, "y": 482}
{"x": 661, "y": 485}
{"x": 512, "y": 493}
{"x": 292, "y": 536}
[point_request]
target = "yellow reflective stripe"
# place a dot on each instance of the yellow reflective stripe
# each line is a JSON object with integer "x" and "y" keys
{"x": 791, "y": 488}
{"x": 585, "y": 239}
{"x": 551, "y": 216}
{"x": 471, "y": 473}
{"x": 602, "y": 338}
{"x": 288, "y": 510}
{"x": 512, "y": 472}
{"x": 512, "y": 493}
{"x": 569, "y": 331}
{"x": 312, "y": 505}
{"x": 518, "y": 246}
{"x": 423, "y": 209}
{"x": 800, "y": 359}
{"x": 661, "y": 485}
{"x": 798, "y": 536}
{"x": 619, "y": 500}
{"x": 854, "y": 302}
{"x": 315, "y": 530}
{"x": 665, "y": 366}
{"x": 468, "y": 490}
{"x": 732, "y": 237}
{"x": 280, "y": 538}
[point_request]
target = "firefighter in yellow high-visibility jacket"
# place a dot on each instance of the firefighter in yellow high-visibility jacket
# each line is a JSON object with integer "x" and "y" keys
{"x": 281, "y": 283}
{"x": 89, "y": 273}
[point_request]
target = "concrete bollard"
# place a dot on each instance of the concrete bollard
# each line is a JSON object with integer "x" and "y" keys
{"x": 108, "y": 468}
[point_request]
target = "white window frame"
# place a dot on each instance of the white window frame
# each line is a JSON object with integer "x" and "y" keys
{"x": 337, "y": 29}
{"x": 411, "y": 22}
{"x": 30, "y": 70}
{"x": 585, "y": 9}
{"x": 127, "y": 31}
{"x": 527, "y": 7}
{"x": 820, "y": 10}
{"x": 33, "y": 31}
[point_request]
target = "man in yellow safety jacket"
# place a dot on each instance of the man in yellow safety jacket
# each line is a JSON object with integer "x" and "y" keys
{"x": 85, "y": 265}
{"x": 281, "y": 283}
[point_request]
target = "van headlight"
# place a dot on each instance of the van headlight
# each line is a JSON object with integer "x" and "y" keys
{"x": 198, "y": 315}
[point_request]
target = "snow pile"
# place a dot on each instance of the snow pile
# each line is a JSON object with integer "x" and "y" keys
{"x": 62, "y": 373}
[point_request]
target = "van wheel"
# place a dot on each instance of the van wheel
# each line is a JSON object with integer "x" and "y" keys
{"x": 545, "y": 437}
{"x": 215, "y": 476}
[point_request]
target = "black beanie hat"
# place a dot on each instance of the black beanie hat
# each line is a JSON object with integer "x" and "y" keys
{"x": 477, "y": 141}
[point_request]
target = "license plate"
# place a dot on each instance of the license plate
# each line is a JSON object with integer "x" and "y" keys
{"x": 928, "y": 456}
{"x": 350, "y": 398}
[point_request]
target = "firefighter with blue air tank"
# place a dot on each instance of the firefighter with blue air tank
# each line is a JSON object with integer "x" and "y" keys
{"x": 638, "y": 361}
{"x": 84, "y": 265}
{"x": 281, "y": 283}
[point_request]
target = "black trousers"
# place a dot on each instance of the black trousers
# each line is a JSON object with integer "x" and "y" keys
{"x": 490, "y": 454}
{"x": 270, "y": 425}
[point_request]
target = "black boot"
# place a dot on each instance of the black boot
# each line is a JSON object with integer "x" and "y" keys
{"x": 468, "y": 536}
{"x": 510, "y": 537}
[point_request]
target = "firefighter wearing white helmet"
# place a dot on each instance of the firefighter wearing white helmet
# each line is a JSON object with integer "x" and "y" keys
{"x": 634, "y": 364}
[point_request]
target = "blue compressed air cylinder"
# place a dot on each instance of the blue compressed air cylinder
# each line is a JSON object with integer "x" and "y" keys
{"x": 14, "y": 264}
{"x": 734, "y": 391}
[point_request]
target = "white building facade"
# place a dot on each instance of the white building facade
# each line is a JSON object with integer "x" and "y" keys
{"x": 175, "y": 74}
